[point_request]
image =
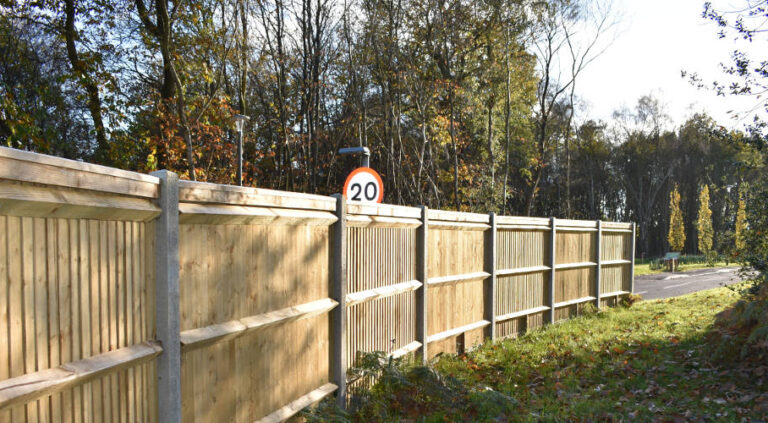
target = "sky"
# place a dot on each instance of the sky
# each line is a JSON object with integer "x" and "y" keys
{"x": 655, "y": 41}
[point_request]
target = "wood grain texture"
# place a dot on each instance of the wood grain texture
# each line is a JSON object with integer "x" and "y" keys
{"x": 35, "y": 168}
{"x": 202, "y": 192}
{"x": 452, "y": 253}
{"x": 22, "y": 389}
{"x": 230, "y": 272}
{"x": 57, "y": 309}
{"x": 379, "y": 260}
{"x": 20, "y": 199}
{"x": 242, "y": 215}
{"x": 77, "y": 263}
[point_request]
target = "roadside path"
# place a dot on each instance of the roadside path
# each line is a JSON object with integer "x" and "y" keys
{"x": 665, "y": 285}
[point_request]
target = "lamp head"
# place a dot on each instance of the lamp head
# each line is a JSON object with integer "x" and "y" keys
{"x": 240, "y": 121}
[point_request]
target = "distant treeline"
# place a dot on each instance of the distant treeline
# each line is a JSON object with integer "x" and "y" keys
{"x": 464, "y": 104}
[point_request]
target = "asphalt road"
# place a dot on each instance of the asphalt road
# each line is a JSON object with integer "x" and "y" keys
{"x": 665, "y": 285}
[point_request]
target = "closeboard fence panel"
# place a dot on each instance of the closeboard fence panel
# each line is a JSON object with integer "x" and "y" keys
{"x": 522, "y": 269}
{"x": 456, "y": 270}
{"x": 617, "y": 256}
{"x": 278, "y": 293}
{"x": 381, "y": 281}
{"x": 254, "y": 301}
{"x": 576, "y": 266}
{"x": 76, "y": 308}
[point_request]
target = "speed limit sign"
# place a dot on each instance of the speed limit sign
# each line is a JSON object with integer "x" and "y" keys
{"x": 364, "y": 184}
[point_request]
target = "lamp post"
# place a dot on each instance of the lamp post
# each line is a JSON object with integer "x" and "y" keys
{"x": 366, "y": 153}
{"x": 240, "y": 125}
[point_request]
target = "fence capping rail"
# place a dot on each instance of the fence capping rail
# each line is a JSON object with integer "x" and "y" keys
{"x": 243, "y": 215}
{"x": 454, "y": 216}
{"x": 523, "y": 221}
{"x": 616, "y": 225}
{"x": 383, "y": 210}
{"x": 26, "y": 166}
{"x": 25, "y": 199}
{"x": 204, "y": 192}
{"x": 373, "y": 221}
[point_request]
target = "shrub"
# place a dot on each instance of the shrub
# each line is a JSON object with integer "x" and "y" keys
{"x": 712, "y": 258}
{"x": 754, "y": 254}
{"x": 741, "y": 331}
{"x": 407, "y": 392}
{"x": 629, "y": 300}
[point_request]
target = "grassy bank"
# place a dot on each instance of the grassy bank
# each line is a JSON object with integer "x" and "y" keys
{"x": 648, "y": 362}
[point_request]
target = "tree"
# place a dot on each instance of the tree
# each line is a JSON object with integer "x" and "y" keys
{"x": 82, "y": 68}
{"x": 745, "y": 76}
{"x": 646, "y": 159}
{"x": 704, "y": 222}
{"x": 676, "y": 236}
{"x": 555, "y": 47}
{"x": 741, "y": 221}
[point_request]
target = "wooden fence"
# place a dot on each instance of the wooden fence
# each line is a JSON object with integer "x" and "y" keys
{"x": 131, "y": 297}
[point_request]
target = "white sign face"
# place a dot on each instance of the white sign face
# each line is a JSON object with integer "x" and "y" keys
{"x": 364, "y": 184}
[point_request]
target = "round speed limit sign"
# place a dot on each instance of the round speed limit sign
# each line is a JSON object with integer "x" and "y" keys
{"x": 364, "y": 184}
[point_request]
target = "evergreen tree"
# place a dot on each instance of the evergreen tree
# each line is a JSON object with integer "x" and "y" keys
{"x": 704, "y": 223}
{"x": 676, "y": 236}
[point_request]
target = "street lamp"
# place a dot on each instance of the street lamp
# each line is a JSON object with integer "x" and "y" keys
{"x": 358, "y": 150}
{"x": 240, "y": 125}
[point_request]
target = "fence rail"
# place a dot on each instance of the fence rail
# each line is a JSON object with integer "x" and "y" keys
{"x": 133, "y": 297}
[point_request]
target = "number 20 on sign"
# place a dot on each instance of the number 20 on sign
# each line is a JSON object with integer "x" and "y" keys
{"x": 364, "y": 184}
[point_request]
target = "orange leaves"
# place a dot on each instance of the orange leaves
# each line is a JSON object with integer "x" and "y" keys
{"x": 214, "y": 152}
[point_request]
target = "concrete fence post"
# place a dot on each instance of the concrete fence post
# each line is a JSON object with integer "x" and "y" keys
{"x": 490, "y": 285}
{"x": 167, "y": 299}
{"x": 422, "y": 299}
{"x": 339, "y": 293}
{"x": 598, "y": 260}
{"x": 632, "y": 260}
{"x": 550, "y": 318}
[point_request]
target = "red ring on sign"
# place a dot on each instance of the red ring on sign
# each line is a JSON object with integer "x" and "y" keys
{"x": 372, "y": 172}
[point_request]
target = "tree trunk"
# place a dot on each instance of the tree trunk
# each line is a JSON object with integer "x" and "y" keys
{"x": 455, "y": 155}
{"x": 80, "y": 69}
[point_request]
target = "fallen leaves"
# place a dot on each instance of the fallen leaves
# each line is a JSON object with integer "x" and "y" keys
{"x": 647, "y": 363}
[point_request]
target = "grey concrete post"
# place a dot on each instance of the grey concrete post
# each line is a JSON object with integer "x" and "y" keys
{"x": 422, "y": 299}
{"x": 490, "y": 285}
{"x": 550, "y": 318}
{"x": 598, "y": 260}
{"x": 167, "y": 299}
{"x": 339, "y": 293}
{"x": 632, "y": 260}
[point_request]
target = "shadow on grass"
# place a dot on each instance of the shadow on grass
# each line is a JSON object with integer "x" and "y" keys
{"x": 650, "y": 362}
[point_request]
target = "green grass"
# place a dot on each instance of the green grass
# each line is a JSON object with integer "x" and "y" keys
{"x": 645, "y": 269}
{"x": 646, "y": 363}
